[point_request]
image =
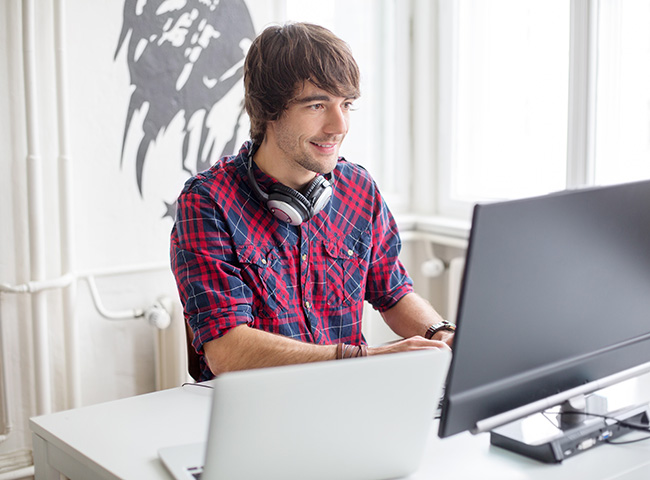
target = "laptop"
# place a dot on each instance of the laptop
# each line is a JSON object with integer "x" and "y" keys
{"x": 363, "y": 418}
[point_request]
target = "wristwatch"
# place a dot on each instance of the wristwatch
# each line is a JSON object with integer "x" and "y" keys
{"x": 435, "y": 328}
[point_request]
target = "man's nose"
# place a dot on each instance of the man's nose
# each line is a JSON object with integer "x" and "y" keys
{"x": 337, "y": 122}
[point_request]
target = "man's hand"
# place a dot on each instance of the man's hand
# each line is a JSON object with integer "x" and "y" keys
{"x": 445, "y": 336}
{"x": 409, "y": 345}
{"x": 412, "y": 315}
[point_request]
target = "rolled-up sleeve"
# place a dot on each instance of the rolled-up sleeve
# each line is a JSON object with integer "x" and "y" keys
{"x": 208, "y": 276}
{"x": 388, "y": 280}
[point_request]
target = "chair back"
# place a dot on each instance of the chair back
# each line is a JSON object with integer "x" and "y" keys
{"x": 193, "y": 358}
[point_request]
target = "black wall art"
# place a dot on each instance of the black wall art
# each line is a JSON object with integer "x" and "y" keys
{"x": 183, "y": 57}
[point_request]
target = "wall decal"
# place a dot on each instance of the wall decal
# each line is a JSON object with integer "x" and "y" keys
{"x": 184, "y": 56}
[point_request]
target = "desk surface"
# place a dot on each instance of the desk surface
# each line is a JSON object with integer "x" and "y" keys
{"x": 120, "y": 440}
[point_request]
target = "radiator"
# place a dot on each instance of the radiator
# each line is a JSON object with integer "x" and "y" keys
{"x": 171, "y": 351}
{"x": 454, "y": 281}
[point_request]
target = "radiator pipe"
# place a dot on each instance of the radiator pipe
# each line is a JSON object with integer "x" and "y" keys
{"x": 66, "y": 213}
{"x": 20, "y": 474}
{"x": 35, "y": 216}
{"x": 4, "y": 399}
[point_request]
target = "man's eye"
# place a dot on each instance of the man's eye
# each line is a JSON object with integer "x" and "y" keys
{"x": 316, "y": 106}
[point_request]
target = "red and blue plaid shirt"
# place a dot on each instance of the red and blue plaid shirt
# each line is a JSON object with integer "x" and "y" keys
{"x": 235, "y": 263}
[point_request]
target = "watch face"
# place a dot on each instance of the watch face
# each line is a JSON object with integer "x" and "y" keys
{"x": 445, "y": 325}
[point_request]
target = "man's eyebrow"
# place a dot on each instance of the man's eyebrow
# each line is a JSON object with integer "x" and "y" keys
{"x": 313, "y": 98}
{"x": 317, "y": 98}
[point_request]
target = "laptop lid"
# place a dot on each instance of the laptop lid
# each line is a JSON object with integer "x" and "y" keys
{"x": 363, "y": 418}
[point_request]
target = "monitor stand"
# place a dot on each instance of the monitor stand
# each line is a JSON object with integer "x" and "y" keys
{"x": 569, "y": 429}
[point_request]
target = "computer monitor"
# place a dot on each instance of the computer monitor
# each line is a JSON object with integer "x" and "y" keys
{"x": 554, "y": 304}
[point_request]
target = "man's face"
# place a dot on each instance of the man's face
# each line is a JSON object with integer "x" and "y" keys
{"x": 309, "y": 133}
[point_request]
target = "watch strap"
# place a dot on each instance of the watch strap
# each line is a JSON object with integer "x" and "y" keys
{"x": 435, "y": 328}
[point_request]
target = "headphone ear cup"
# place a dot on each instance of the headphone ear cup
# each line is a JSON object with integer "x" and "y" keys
{"x": 288, "y": 204}
{"x": 318, "y": 194}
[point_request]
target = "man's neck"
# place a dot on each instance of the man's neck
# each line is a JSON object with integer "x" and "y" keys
{"x": 271, "y": 160}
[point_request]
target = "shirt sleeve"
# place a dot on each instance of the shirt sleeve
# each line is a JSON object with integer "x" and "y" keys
{"x": 208, "y": 276}
{"x": 388, "y": 280}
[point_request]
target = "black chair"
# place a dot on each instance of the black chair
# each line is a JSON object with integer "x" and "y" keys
{"x": 193, "y": 358}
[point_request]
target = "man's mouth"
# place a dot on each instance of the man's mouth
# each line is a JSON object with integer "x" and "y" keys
{"x": 324, "y": 145}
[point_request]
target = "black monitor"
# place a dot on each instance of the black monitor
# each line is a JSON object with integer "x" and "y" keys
{"x": 554, "y": 304}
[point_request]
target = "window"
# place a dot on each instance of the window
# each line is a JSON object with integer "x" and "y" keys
{"x": 509, "y": 98}
{"x": 622, "y": 149}
{"x": 540, "y": 95}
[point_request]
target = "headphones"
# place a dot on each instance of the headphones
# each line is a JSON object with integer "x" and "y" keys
{"x": 290, "y": 205}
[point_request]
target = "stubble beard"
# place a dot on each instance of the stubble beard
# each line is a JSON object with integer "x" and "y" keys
{"x": 299, "y": 154}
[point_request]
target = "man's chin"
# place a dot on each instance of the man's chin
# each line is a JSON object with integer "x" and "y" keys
{"x": 331, "y": 165}
{"x": 322, "y": 164}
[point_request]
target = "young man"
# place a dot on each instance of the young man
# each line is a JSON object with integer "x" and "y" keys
{"x": 276, "y": 248}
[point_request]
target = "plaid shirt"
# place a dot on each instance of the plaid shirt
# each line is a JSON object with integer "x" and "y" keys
{"x": 235, "y": 263}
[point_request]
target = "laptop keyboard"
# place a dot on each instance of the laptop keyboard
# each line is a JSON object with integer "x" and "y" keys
{"x": 195, "y": 472}
{"x": 438, "y": 412}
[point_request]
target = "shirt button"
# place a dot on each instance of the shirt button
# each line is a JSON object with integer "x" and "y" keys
{"x": 350, "y": 252}
{"x": 304, "y": 257}
{"x": 264, "y": 261}
{"x": 307, "y": 305}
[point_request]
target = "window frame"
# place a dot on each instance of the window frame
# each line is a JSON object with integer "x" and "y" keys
{"x": 581, "y": 128}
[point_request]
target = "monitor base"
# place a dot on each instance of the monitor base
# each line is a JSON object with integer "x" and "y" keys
{"x": 552, "y": 440}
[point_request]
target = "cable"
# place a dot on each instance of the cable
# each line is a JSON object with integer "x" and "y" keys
{"x": 636, "y": 440}
{"x": 190, "y": 384}
{"x": 622, "y": 423}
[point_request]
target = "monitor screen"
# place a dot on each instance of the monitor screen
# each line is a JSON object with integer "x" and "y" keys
{"x": 555, "y": 295}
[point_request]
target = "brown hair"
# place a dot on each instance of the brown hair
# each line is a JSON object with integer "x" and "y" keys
{"x": 282, "y": 58}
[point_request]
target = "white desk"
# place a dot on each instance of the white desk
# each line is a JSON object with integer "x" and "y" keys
{"x": 120, "y": 439}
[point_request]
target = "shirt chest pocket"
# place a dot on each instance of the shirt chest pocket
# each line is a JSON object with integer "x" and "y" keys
{"x": 345, "y": 273}
{"x": 261, "y": 272}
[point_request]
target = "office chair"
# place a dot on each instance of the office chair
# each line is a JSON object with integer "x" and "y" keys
{"x": 193, "y": 363}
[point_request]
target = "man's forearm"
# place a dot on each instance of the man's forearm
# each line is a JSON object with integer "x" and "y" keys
{"x": 243, "y": 348}
{"x": 411, "y": 316}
